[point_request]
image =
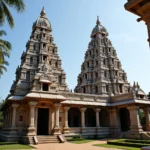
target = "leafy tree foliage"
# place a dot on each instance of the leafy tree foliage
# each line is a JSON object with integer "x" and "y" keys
{"x": 5, "y": 48}
{"x": 142, "y": 119}
{"x": 5, "y": 13}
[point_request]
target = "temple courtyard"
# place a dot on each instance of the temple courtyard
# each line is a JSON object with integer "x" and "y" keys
{"x": 72, "y": 146}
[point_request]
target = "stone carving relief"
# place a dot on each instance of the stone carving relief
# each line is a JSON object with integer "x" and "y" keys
{"x": 50, "y": 78}
{"x": 43, "y": 23}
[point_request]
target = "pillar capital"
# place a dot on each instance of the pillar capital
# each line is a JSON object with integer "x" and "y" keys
{"x": 15, "y": 105}
{"x": 97, "y": 109}
{"x": 32, "y": 103}
{"x": 133, "y": 108}
{"x": 57, "y": 105}
{"x": 66, "y": 108}
{"x": 83, "y": 109}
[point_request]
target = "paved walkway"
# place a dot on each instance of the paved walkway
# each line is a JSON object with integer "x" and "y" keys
{"x": 71, "y": 146}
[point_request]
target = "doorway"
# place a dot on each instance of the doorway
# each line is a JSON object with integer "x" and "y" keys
{"x": 43, "y": 121}
{"x": 124, "y": 119}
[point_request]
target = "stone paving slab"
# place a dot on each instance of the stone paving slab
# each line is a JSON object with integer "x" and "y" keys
{"x": 72, "y": 146}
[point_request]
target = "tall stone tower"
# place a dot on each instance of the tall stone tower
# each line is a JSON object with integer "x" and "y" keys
{"x": 40, "y": 68}
{"x": 101, "y": 71}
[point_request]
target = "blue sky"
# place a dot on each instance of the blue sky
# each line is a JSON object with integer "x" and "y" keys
{"x": 72, "y": 22}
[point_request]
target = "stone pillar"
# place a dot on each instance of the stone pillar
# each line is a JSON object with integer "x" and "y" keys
{"x": 66, "y": 128}
{"x": 83, "y": 119}
{"x": 4, "y": 120}
{"x": 9, "y": 123}
{"x": 14, "y": 107}
{"x": 134, "y": 118}
{"x": 6, "y": 125}
{"x": 97, "y": 120}
{"x": 26, "y": 116}
{"x": 97, "y": 117}
{"x": 56, "y": 128}
{"x": 114, "y": 121}
{"x": 147, "y": 116}
{"x": 10, "y": 117}
{"x": 31, "y": 129}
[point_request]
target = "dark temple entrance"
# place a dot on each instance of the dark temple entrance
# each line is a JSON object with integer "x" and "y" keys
{"x": 124, "y": 119}
{"x": 42, "y": 122}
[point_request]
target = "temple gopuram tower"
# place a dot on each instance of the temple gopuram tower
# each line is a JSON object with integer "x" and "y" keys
{"x": 101, "y": 71}
{"x": 40, "y": 68}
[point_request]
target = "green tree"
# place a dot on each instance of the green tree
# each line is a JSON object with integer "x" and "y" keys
{"x": 142, "y": 119}
{"x": 5, "y": 13}
{"x": 5, "y": 48}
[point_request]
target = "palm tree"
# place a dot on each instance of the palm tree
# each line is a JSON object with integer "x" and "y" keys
{"x": 5, "y": 13}
{"x": 5, "y": 48}
{"x": 2, "y": 67}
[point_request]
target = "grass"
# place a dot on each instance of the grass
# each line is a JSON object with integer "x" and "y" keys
{"x": 127, "y": 144}
{"x": 116, "y": 146}
{"x": 8, "y": 146}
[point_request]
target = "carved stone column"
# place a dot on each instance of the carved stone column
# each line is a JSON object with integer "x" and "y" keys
{"x": 9, "y": 119}
{"x": 97, "y": 117}
{"x": 6, "y": 125}
{"x": 66, "y": 128}
{"x": 31, "y": 129}
{"x": 147, "y": 116}
{"x": 97, "y": 120}
{"x": 14, "y": 107}
{"x": 56, "y": 128}
{"x": 4, "y": 120}
{"x": 134, "y": 118}
{"x": 83, "y": 119}
{"x": 114, "y": 121}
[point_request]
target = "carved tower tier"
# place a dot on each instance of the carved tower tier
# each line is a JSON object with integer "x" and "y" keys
{"x": 40, "y": 67}
{"x": 101, "y": 71}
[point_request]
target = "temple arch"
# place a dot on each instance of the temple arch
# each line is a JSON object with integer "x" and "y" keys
{"x": 124, "y": 119}
{"x": 104, "y": 118}
{"x": 90, "y": 118}
{"x": 74, "y": 117}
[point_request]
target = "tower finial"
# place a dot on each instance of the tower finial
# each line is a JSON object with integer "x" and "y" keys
{"x": 98, "y": 22}
{"x": 43, "y": 13}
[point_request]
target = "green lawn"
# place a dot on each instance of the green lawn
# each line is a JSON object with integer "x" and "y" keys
{"x": 115, "y": 146}
{"x": 81, "y": 141}
{"x": 14, "y": 146}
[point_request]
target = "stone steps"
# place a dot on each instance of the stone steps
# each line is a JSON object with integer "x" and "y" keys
{"x": 31, "y": 140}
{"x": 47, "y": 139}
